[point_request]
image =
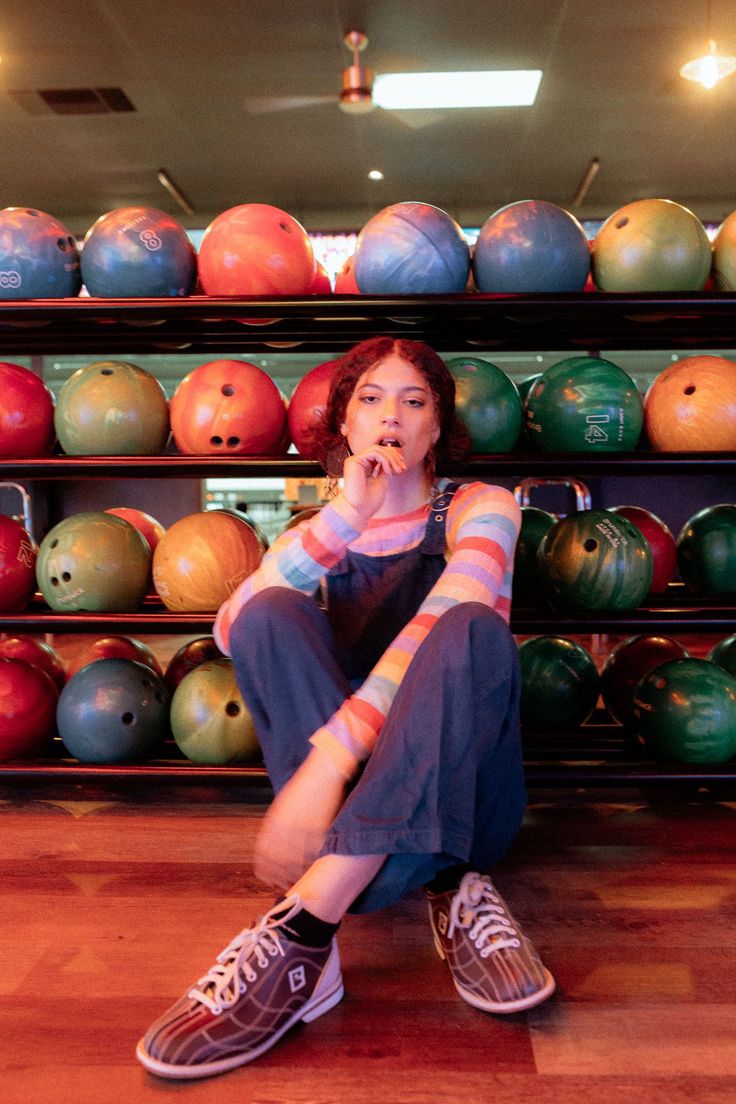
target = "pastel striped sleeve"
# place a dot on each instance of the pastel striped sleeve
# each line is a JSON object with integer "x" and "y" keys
{"x": 298, "y": 559}
{"x": 482, "y": 529}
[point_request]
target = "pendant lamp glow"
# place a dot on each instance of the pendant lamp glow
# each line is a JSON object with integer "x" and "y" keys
{"x": 709, "y": 69}
{"x": 492, "y": 88}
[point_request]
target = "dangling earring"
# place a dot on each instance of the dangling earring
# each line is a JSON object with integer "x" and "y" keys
{"x": 334, "y": 461}
{"x": 430, "y": 460}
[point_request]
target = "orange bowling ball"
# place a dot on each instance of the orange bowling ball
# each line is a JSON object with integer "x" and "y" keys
{"x": 146, "y": 525}
{"x": 256, "y": 249}
{"x": 203, "y": 557}
{"x": 229, "y": 408}
{"x": 345, "y": 282}
{"x": 691, "y": 406}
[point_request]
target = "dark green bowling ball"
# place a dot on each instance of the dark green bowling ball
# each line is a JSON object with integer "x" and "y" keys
{"x": 595, "y": 560}
{"x": 684, "y": 711}
{"x": 488, "y": 404}
{"x": 559, "y": 682}
{"x": 584, "y": 404}
{"x": 527, "y": 584}
{"x": 706, "y": 551}
{"x": 724, "y": 654}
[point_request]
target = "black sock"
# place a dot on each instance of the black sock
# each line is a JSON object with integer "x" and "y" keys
{"x": 449, "y": 878}
{"x": 304, "y": 927}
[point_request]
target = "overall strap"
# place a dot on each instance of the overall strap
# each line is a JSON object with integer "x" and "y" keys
{"x": 434, "y": 542}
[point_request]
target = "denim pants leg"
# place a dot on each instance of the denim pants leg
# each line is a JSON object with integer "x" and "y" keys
{"x": 444, "y": 783}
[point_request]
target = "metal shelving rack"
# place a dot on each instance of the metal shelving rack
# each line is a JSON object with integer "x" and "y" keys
{"x": 598, "y": 753}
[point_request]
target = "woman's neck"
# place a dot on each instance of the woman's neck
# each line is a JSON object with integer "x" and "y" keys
{"x": 406, "y": 493}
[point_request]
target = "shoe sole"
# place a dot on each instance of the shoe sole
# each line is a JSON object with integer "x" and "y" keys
{"x": 506, "y": 1007}
{"x": 311, "y": 1011}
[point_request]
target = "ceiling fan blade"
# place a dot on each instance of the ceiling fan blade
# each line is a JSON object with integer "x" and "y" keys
{"x": 265, "y": 105}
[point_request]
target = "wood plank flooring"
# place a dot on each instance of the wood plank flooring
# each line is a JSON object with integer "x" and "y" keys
{"x": 113, "y": 901}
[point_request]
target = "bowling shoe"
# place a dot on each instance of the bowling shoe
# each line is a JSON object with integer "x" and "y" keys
{"x": 261, "y": 985}
{"x": 493, "y": 965}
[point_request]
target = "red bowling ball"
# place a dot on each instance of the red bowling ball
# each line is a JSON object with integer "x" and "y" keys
{"x": 28, "y": 699}
{"x": 256, "y": 249}
{"x": 659, "y": 539}
{"x": 18, "y": 553}
{"x": 36, "y": 652}
{"x": 116, "y": 647}
{"x": 307, "y": 405}
{"x": 190, "y": 656}
{"x": 26, "y": 413}
{"x": 146, "y": 525}
{"x": 627, "y": 664}
{"x": 228, "y": 407}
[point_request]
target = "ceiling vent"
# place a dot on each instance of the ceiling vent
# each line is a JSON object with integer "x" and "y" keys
{"x": 73, "y": 101}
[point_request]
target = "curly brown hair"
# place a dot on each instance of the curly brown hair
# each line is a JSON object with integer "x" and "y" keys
{"x": 453, "y": 443}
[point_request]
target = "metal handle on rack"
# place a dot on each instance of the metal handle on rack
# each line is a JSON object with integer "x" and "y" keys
{"x": 522, "y": 492}
{"x": 26, "y": 500}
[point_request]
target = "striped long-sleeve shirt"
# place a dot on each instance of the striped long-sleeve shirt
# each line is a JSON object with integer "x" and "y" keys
{"x": 482, "y": 528}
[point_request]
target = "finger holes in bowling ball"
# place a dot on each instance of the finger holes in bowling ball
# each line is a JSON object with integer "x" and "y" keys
{"x": 128, "y": 718}
{"x": 283, "y": 226}
{"x": 62, "y": 244}
{"x": 216, "y": 441}
{"x": 33, "y": 213}
{"x": 54, "y": 581}
{"x": 106, "y": 371}
{"x": 689, "y": 390}
{"x": 159, "y": 697}
{"x": 622, "y": 222}
{"x": 233, "y": 442}
{"x": 228, "y": 389}
{"x": 66, "y": 577}
{"x": 232, "y": 709}
{"x": 590, "y": 545}
{"x": 53, "y": 543}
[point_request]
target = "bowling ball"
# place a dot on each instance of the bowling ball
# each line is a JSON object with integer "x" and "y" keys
{"x": 36, "y": 652}
{"x": 724, "y": 654}
{"x": 150, "y": 529}
{"x": 256, "y": 249}
{"x": 39, "y": 258}
{"x": 116, "y": 647}
{"x": 113, "y": 711}
{"x": 595, "y": 560}
{"x": 627, "y": 664}
{"x": 138, "y": 251}
{"x": 303, "y": 514}
{"x": 527, "y": 584}
{"x": 559, "y": 683}
{"x": 684, "y": 711}
{"x": 307, "y": 405}
{"x": 724, "y": 255}
{"x": 691, "y": 406}
{"x": 660, "y": 541}
{"x": 228, "y": 407}
{"x": 706, "y": 551}
{"x": 411, "y": 248}
{"x": 531, "y": 246}
{"x": 18, "y": 555}
{"x": 488, "y": 404}
{"x": 26, "y": 413}
{"x": 112, "y": 408}
{"x": 584, "y": 404}
{"x": 93, "y": 561}
{"x": 189, "y": 656}
{"x": 28, "y": 698}
{"x": 202, "y": 558}
{"x": 209, "y": 719}
{"x": 345, "y": 282}
{"x": 321, "y": 284}
{"x": 651, "y": 245}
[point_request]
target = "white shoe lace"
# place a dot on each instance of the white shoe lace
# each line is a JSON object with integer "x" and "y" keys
{"x": 228, "y": 979}
{"x": 477, "y": 907}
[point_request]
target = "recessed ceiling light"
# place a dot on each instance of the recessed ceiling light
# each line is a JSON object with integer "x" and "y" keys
{"x": 375, "y": 174}
{"x": 493, "y": 88}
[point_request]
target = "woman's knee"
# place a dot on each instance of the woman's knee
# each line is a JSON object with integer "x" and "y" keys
{"x": 269, "y": 612}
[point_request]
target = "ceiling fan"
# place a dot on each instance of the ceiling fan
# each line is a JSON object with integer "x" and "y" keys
{"x": 355, "y": 98}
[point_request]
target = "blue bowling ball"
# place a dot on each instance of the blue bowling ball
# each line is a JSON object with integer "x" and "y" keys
{"x": 411, "y": 249}
{"x": 531, "y": 246}
{"x": 113, "y": 711}
{"x": 39, "y": 258}
{"x": 138, "y": 252}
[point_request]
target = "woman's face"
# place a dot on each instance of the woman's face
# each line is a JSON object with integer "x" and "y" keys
{"x": 392, "y": 405}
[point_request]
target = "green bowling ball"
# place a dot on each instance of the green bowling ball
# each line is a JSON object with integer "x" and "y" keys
{"x": 724, "y": 654}
{"x": 112, "y": 408}
{"x": 684, "y": 711}
{"x": 651, "y": 245}
{"x": 595, "y": 560}
{"x": 527, "y": 583}
{"x": 488, "y": 404}
{"x": 559, "y": 683}
{"x": 209, "y": 719}
{"x": 706, "y": 551}
{"x": 94, "y": 562}
{"x": 584, "y": 404}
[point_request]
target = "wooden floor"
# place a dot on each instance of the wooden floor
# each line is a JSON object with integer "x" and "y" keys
{"x": 111, "y": 904}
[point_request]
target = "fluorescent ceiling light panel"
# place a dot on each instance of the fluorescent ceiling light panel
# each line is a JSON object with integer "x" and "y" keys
{"x": 494, "y": 88}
